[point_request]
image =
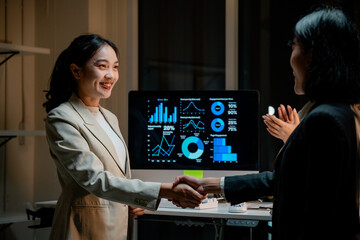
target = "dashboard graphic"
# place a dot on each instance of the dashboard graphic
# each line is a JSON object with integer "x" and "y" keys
{"x": 194, "y": 130}
{"x": 161, "y": 115}
{"x": 164, "y": 148}
{"x": 193, "y": 125}
{"x": 191, "y": 108}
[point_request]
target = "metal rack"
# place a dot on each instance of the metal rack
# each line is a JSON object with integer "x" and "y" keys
{"x": 13, "y": 49}
{"x": 6, "y": 135}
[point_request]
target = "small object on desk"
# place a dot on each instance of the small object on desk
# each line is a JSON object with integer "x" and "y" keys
{"x": 238, "y": 208}
{"x": 206, "y": 204}
{"x": 260, "y": 205}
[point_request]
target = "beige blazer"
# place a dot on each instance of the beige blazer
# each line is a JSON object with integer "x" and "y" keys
{"x": 95, "y": 190}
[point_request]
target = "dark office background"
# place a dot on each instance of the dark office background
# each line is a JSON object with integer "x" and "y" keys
{"x": 182, "y": 47}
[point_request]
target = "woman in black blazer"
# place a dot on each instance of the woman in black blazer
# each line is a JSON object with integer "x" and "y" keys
{"x": 316, "y": 179}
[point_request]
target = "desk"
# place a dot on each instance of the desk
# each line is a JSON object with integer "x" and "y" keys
{"x": 220, "y": 212}
{"x": 248, "y": 219}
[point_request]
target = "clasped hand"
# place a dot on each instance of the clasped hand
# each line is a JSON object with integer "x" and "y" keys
{"x": 183, "y": 194}
{"x": 194, "y": 189}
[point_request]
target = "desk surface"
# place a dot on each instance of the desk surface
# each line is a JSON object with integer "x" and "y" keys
{"x": 222, "y": 211}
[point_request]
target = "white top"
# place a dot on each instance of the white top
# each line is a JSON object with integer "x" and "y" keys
{"x": 222, "y": 185}
{"x": 118, "y": 143}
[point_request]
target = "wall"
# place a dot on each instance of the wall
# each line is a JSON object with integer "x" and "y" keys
{"x": 17, "y": 78}
{"x": 17, "y": 104}
{"x": 31, "y": 173}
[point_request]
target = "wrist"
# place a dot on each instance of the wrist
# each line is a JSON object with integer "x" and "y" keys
{"x": 165, "y": 190}
{"x": 211, "y": 185}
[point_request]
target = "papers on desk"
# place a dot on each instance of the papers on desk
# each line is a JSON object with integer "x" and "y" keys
{"x": 206, "y": 204}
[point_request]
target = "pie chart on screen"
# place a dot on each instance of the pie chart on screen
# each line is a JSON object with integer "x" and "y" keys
{"x": 192, "y": 147}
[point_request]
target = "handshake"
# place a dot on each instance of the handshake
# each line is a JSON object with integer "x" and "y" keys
{"x": 188, "y": 191}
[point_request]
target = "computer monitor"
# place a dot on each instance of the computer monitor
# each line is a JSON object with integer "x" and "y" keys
{"x": 215, "y": 132}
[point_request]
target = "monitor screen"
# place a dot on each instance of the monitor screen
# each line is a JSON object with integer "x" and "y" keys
{"x": 195, "y": 130}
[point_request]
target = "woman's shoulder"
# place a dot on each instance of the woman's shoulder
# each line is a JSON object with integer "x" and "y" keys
{"x": 331, "y": 115}
{"x": 65, "y": 112}
{"x": 332, "y": 110}
{"x": 63, "y": 109}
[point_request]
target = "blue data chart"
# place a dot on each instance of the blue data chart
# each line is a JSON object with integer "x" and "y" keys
{"x": 194, "y": 125}
{"x": 164, "y": 148}
{"x": 162, "y": 115}
{"x": 189, "y": 153}
{"x": 217, "y": 125}
{"x": 222, "y": 153}
{"x": 192, "y": 108}
{"x": 217, "y": 108}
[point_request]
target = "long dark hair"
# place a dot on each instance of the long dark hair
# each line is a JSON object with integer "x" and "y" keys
{"x": 333, "y": 74}
{"x": 62, "y": 82}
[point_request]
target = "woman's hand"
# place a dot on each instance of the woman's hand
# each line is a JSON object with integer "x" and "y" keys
{"x": 135, "y": 211}
{"x": 283, "y": 126}
{"x": 185, "y": 195}
{"x": 202, "y": 185}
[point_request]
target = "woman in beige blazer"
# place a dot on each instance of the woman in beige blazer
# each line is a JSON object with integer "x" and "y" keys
{"x": 89, "y": 151}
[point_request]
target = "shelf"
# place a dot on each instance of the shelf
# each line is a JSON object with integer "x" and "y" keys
{"x": 7, "y": 47}
{"x": 10, "y": 134}
{"x": 13, "y": 49}
{"x": 20, "y": 133}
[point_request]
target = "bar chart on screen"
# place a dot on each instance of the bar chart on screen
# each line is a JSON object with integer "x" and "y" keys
{"x": 162, "y": 115}
{"x": 222, "y": 152}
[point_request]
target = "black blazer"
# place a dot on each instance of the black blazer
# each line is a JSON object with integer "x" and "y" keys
{"x": 314, "y": 182}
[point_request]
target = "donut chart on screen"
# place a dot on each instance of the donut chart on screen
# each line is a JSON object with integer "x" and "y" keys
{"x": 217, "y": 125}
{"x": 217, "y": 108}
{"x": 185, "y": 147}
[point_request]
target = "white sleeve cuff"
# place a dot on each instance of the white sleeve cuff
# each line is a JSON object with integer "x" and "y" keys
{"x": 222, "y": 185}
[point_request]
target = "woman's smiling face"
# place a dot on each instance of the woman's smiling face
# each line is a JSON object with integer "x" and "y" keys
{"x": 98, "y": 77}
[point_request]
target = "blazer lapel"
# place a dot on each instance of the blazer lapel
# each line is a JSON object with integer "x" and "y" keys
{"x": 94, "y": 127}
